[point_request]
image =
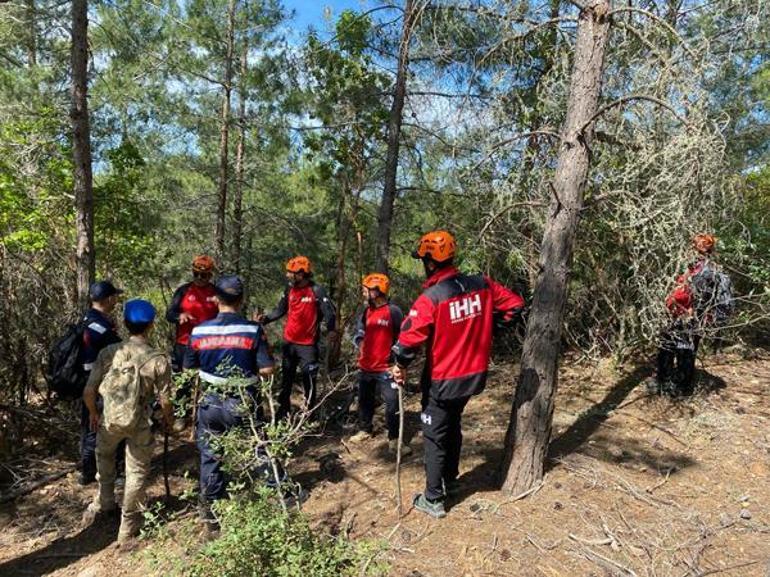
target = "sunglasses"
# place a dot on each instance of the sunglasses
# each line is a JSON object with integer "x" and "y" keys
{"x": 201, "y": 274}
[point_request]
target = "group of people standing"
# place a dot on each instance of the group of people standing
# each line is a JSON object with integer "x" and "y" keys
{"x": 453, "y": 319}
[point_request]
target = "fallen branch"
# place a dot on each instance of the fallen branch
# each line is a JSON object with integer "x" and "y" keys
{"x": 31, "y": 486}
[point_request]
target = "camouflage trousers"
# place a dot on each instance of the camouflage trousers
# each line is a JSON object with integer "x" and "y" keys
{"x": 138, "y": 457}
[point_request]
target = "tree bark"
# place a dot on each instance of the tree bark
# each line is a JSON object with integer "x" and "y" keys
{"x": 239, "y": 155}
{"x": 224, "y": 134}
{"x": 81, "y": 152}
{"x": 385, "y": 212}
{"x": 529, "y": 429}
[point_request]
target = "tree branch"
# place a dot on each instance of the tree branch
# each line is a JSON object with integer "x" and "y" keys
{"x": 631, "y": 98}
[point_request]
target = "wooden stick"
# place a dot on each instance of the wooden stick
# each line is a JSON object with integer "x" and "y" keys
{"x": 196, "y": 394}
{"x": 166, "y": 484}
{"x": 31, "y": 486}
{"x": 398, "y": 450}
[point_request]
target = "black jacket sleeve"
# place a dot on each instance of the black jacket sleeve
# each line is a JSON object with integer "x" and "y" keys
{"x": 396, "y": 318}
{"x": 280, "y": 310}
{"x": 360, "y": 331}
{"x": 327, "y": 312}
{"x": 174, "y": 308}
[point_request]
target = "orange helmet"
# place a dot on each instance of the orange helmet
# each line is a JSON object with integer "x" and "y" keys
{"x": 704, "y": 243}
{"x": 203, "y": 263}
{"x": 438, "y": 245}
{"x": 299, "y": 264}
{"x": 377, "y": 281}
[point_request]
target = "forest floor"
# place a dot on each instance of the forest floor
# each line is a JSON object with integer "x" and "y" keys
{"x": 636, "y": 486}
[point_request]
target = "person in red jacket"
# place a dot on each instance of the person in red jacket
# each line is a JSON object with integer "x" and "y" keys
{"x": 305, "y": 305}
{"x": 701, "y": 297}
{"x": 454, "y": 318}
{"x": 376, "y": 332}
{"x": 192, "y": 304}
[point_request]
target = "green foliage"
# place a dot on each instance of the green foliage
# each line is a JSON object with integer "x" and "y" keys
{"x": 258, "y": 539}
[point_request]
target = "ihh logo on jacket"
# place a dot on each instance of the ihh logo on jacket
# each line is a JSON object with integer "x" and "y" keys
{"x": 464, "y": 309}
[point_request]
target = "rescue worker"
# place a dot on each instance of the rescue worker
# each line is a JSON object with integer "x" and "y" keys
{"x": 454, "y": 318}
{"x": 376, "y": 332}
{"x": 153, "y": 380}
{"x": 99, "y": 332}
{"x": 230, "y": 352}
{"x": 193, "y": 303}
{"x": 702, "y": 297}
{"x": 305, "y": 305}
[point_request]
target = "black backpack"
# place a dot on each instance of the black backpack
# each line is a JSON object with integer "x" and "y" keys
{"x": 65, "y": 375}
{"x": 713, "y": 291}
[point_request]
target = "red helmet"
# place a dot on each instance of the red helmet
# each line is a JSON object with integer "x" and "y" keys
{"x": 438, "y": 245}
{"x": 704, "y": 243}
{"x": 203, "y": 263}
{"x": 299, "y": 264}
{"x": 377, "y": 281}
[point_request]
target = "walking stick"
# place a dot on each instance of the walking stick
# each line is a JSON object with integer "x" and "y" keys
{"x": 166, "y": 485}
{"x": 398, "y": 449}
{"x": 196, "y": 393}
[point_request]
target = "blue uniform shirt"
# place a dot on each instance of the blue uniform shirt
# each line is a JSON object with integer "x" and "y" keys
{"x": 227, "y": 346}
{"x": 99, "y": 333}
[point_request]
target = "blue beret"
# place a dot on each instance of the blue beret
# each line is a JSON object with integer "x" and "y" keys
{"x": 139, "y": 311}
{"x": 230, "y": 286}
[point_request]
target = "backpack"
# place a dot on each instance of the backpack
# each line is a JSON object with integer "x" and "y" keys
{"x": 122, "y": 394}
{"x": 65, "y": 374}
{"x": 713, "y": 293}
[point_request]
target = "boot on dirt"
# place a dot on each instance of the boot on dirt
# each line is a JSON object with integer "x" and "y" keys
{"x": 94, "y": 513}
{"x": 433, "y": 508}
{"x": 361, "y": 436}
{"x": 406, "y": 450}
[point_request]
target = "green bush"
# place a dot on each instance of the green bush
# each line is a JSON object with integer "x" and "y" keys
{"x": 258, "y": 538}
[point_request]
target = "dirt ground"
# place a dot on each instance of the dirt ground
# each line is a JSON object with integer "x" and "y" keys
{"x": 636, "y": 486}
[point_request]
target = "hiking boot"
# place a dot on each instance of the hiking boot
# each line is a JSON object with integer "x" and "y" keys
{"x": 433, "y": 508}
{"x": 361, "y": 436}
{"x": 94, "y": 513}
{"x": 86, "y": 478}
{"x": 406, "y": 450}
{"x": 654, "y": 386}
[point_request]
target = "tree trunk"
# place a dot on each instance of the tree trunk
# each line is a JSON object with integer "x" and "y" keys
{"x": 529, "y": 429}
{"x": 31, "y": 10}
{"x": 81, "y": 152}
{"x": 385, "y": 212}
{"x": 224, "y": 134}
{"x": 239, "y": 153}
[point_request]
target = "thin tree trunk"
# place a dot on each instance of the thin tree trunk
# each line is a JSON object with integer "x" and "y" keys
{"x": 385, "y": 212}
{"x": 32, "y": 32}
{"x": 224, "y": 134}
{"x": 239, "y": 154}
{"x": 529, "y": 430}
{"x": 81, "y": 152}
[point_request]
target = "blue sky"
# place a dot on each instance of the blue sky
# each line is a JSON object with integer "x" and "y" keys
{"x": 313, "y": 12}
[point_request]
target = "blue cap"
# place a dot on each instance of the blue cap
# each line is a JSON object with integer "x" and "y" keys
{"x": 103, "y": 289}
{"x": 139, "y": 311}
{"x": 230, "y": 286}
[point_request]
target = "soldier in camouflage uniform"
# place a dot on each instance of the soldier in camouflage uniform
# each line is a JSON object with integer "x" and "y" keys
{"x": 149, "y": 375}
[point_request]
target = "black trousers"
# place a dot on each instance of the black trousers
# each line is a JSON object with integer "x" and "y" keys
{"x": 304, "y": 357}
{"x": 442, "y": 433}
{"x": 369, "y": 386}
{"x": 676, "y": 361}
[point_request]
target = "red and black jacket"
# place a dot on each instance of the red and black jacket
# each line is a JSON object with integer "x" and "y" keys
{"x": 455, "y": 316}
{"x": 377, "y": 330}
{"x": 306, "y": 307}
{"x": 194, "y": 300}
